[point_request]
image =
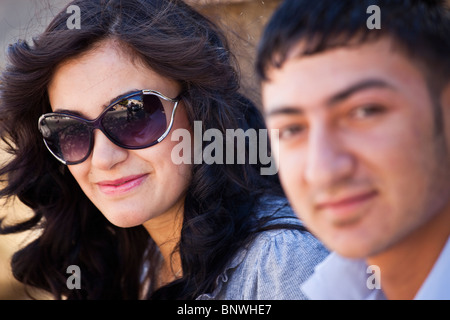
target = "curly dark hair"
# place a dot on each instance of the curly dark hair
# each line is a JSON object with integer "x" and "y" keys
{"x": 177, "y": 42}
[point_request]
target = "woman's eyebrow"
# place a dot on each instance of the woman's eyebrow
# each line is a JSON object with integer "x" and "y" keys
{"x": 68, "y": 111}
{"x": 118, "y": 98}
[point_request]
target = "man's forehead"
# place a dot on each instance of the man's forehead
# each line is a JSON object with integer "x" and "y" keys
{"x": 322, "y": 77}
{"x": 307, "y": 48}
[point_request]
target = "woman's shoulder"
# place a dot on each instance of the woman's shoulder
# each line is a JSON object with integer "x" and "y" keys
{"x": 276, "y": 262}
{"x": 284, "y": 231}
{"x": 275, "y": 210}
{"x": 277, "y": 251}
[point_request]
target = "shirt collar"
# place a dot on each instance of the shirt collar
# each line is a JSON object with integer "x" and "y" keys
{"x": 339, "y": 278}
{"x": 346, "y": 279}
{"x": 437, "y": 284}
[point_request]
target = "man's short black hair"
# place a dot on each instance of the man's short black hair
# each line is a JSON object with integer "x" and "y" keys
{"x": 421, "y": 28}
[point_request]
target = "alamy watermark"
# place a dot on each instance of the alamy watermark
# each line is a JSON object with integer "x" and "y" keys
{"x": 231, "y": 151}
{"x": 213, "y": 153}
{"x": 73, "y": 281}
{"x": 374, "y": 21}
{"x": 74, "y": 20}
{"x": 372, "y": 282}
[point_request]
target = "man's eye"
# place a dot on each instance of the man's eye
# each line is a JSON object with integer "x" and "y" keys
{"x": 366, "y": 111}
{"x": 291, "y": 131}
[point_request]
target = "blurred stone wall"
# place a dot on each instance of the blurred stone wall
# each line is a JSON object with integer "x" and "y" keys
{"x": 242, "y": 21}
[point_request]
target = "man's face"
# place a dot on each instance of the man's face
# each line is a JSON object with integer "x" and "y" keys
{"x": 359, "y": 156}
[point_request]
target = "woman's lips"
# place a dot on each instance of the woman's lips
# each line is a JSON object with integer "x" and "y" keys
{"x": 122, "y": 185}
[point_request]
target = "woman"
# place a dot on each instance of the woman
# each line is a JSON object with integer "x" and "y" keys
{"x": 112, "y": 201}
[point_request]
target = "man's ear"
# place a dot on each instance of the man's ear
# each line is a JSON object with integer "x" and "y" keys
{"x": 445, "y": 104}
{"x": 445, "y": 96}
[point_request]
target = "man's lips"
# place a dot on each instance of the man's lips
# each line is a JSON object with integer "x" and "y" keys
{"x": 346, "y": 201}
{"x": 121, "y": 185}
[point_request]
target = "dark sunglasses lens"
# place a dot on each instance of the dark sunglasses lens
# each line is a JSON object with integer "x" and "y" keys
{"x": 66, "y": 137}
{"x": 136, "y": 122}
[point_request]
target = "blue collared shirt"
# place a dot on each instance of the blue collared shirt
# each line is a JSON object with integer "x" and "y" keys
{"x": 339, "y": 278}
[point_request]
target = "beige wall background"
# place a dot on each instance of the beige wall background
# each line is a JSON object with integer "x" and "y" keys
{"x": 242, "y": 21}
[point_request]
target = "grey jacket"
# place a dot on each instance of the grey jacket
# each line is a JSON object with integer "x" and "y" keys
{"x": 274, "y": 265}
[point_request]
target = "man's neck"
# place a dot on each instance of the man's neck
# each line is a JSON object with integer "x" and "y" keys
{"x": 405, "y": 266}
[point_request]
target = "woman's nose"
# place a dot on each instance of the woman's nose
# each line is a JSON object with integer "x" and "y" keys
{"x": 105, "y": 153}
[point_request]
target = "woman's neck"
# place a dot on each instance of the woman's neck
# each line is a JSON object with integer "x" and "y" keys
{"x": 165, "y": 230}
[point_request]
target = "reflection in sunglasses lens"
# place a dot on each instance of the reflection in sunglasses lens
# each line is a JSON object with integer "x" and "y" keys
{"x": 136, "y": 123}
{"x": 74, "y": 141}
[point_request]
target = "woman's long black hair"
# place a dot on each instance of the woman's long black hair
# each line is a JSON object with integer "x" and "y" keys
{"x": 178, "y": 43}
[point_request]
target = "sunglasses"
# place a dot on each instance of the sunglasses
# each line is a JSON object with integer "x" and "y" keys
{"x": 135, "y": 121}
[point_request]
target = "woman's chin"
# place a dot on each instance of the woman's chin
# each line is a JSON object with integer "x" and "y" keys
{"x": 125, "y": 220}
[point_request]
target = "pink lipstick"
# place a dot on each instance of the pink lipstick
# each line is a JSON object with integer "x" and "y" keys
{"x": 122, "y": 185}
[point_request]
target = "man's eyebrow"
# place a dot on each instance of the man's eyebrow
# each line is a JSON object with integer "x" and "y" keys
{"x": 285, "y": 111}
{"x": 359, "y": 86}
{"x": 335, "y": 98}
{"x": 120, "y": 96}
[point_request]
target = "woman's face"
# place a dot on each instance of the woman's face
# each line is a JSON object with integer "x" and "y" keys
{"x": 129, "y": 187}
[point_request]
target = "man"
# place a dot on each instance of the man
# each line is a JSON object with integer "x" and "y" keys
{"x": 363, "y": 115}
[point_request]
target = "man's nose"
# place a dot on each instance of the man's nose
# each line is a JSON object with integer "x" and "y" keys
{"x": 328, "y": 160}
